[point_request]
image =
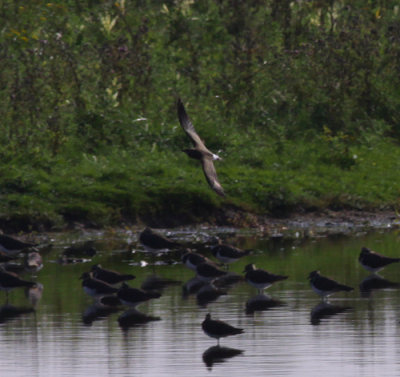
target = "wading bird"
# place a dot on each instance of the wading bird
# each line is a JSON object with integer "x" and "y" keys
{"x": 218, "y": 329}
{"x": 324, "y": 286}
{"x": 373, "y": 261}
{"x": 261, "y": 279}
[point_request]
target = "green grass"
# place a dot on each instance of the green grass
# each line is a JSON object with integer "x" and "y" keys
{"x": 303, "y": 110}
{"x": 165, "y": 187}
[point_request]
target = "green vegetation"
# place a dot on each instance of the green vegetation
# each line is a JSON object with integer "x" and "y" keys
{"x": 301, "y": 99}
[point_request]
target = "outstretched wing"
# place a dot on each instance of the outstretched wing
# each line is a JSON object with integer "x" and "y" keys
{"x": 211, "y": 175}
{"x": 188, "y": 127}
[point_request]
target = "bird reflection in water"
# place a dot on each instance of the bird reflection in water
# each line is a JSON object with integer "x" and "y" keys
{"x": 101, "y": 309}
{"x": 158, "y": 283}
{"x": 133, "y": 317}
{"x": 8, "y": 312}
{"x": 218, "y": 354}
{"x": 261, "y": 302}
{"x": 374, "y": 282}
{"x": 196, "y": 285}
{"x": 325, "y": 310}
{"x": 228, "y": 280}
{"x": 192, "y": 286}
{"x": 209, "y": 293}
{"x": 34, "y": 294}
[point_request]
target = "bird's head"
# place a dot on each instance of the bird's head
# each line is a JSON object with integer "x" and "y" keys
{"x": 250, "y": 267}
{"x": 365, "y": 251}
{"x": 313, "y": 274}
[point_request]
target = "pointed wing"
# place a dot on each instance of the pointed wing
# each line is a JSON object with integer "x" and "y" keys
{"x": 188, "y": 127}
{"x": 211, "y": 175}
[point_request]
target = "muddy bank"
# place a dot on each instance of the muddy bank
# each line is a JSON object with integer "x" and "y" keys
{"x": 315, "y": 222}
{"x": 321, "y": 221}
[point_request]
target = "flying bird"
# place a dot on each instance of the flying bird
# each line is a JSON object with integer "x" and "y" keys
{"x": 200, "y": 151}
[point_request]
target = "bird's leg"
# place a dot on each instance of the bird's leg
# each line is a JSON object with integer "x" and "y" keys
{"x": 153, "y": 263}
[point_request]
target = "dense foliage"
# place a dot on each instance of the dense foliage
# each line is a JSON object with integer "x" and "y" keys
{"x": 301, "y": 98}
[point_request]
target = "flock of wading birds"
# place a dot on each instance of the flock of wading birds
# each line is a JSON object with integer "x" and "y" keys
{"x": 101, "y": 283}
{"x": 110, "y": 289}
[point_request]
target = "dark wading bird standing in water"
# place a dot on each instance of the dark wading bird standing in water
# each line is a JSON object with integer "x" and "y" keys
{"x": 261, "y": 279}
{"x": 324, "y": 286}
{"x": 12, "y": 246}
{"x": 200, "y": 151}
{"x": 154, "y": 242}
{"x": 218, "y": 329}
{"x": 374, "y": 262}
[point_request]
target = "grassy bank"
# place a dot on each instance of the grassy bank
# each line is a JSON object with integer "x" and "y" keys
{"x": 300, "y": 99}
{"x": 162, "y": 186}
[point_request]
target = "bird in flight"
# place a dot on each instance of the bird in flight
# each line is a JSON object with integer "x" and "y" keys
{"x": 200, "y": 151}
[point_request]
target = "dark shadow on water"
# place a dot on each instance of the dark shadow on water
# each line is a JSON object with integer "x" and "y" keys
{"x": 374, "y": 282}
{"x": 157, "y": 283}
{"x": 133, "y": 317}
{"x": 97, "y": 311}
{"x": 218, "y": 354}
{"x": 209, "y": 293}
{"x": 261, "y": 302}
{"x": 195, "y": 285}
{"x": 192, "y": 286}
{"x": 326, "y": 310}
{"x": 8, "y": 312}
{"x": 110, "y": 301}
{"x": 228, "y": 280}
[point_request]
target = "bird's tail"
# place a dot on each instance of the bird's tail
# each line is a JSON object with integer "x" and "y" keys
{"x": 346, "y": 288}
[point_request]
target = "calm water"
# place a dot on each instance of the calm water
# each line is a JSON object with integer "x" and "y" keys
{"x": 354, "y": 335}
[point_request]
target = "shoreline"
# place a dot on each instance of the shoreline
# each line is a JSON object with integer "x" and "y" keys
{"x": 306, "y": 224}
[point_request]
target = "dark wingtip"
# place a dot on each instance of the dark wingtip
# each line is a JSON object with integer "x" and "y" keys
{"x": 179, "y": 105}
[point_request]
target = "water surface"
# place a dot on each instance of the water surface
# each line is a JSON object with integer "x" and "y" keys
{"x": 355, "y": 334}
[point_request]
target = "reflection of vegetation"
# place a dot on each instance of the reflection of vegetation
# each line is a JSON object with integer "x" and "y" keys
{"x": 302, "y": 96}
